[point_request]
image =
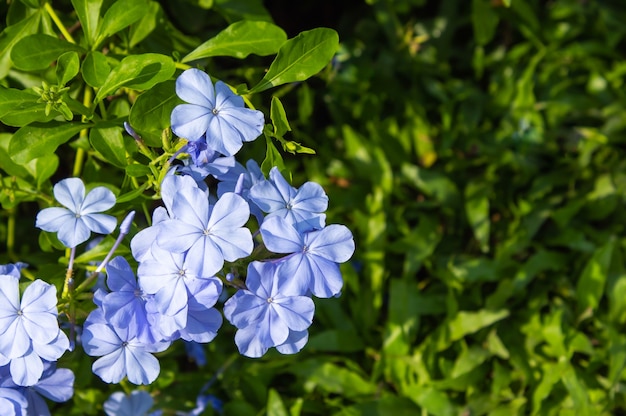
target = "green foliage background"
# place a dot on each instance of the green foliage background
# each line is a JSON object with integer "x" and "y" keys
{"x": 476, "y": 149}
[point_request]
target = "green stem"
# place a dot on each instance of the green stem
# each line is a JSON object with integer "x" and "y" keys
{"x": 182, "y": 66}
{"x": 57, "y": 21}
{"x": 11, "y": 233}
{"x": 80, "y": 152}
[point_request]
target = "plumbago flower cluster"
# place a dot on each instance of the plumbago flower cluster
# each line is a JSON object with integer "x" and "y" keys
{"x": 198, "y": 244}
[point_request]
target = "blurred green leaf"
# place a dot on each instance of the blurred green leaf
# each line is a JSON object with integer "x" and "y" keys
{"x": 469, "y": 322}
{"x": 484, "y": 21}
{"x": 477, "y": 210}
{"x": 591, "y": 283}
{"x": 275, "y": 406}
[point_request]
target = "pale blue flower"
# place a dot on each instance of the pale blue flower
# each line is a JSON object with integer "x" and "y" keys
{"x": 209, "y": 234}
{"x": 313, "y": 262}
{"x": 56, "y": 384}
{"x": 138, "y": 403}
{"x": 29, "y": 330}
{"x": 268, "y": 311}
{"x": 304, "y": 207}
{"x": 214, "y": 112}
{"x": 121, "y": 353}
{"x": 80, "y": 216}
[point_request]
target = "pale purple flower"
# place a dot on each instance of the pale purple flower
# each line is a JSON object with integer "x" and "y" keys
{"x": 80, "y": 216}
{"x": 214, "y": 112}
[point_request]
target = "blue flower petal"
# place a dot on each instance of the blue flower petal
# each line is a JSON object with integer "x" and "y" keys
{"x": 295, "y": 311}
{"x": 334, "y": 243}
{"x": 73, "y": 232}
{"x": 248, "y": 343}
{"x": 27, "y": 369}
{"x": 111, "y": 367}
{"x": 58, "y": 387}
{"x": 225, "y": 97}
{"x": 195, "y": 87}
{"x": 191, "y": 121}
{"x": 100, "y": 223}
{"x": 294, "y": 343}
{"x": 98, "y": 199}
{"x": 70, "y": 193}
{"x": 52, "y": 219}
{"x": 279, "y": 236}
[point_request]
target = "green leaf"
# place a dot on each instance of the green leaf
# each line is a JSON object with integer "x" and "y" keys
{"x": 39, "y": 139}
{"x": 132, "y": 195}
{"x": 337, "y": 341}
{"x": 121, "y": 14}
{"x": 12, "y": 34}
{"x": 36, "y": 52}
{"x": 391, "y": 405}
{"x": 234, "y": 10}
{"x": 275, "y": 405}
{"x": 435, "y": 402}
{"x": 484, "y": 20}
{"x": 240, "y": 40}
{"x": 31, "y": 3}
{"x": 88, "y": 12}
{"x": 67, "y": 67}
{"x": 150, "y": 114}
{"x": 300, "y": 58}
{"x": 6, "y": 163}
{"x": 136, "y": 170}
{"x": 469, "y": 322}
{"x": 332, "y": 378}
{"x": 20, "y": 107}
{"x": 272, "y": 158}
{"x": 477, "y": 210}
{"x": 591, "y": 283}
{"x": 107, "y": 139}
{"x": 468, "y": 360}
{"x": 140, "y": 72}
{"x": 279, "y": 117}
{"x": 43, "y": 168}
{"x": 149, "y": 21}
{"x": 576, "y": 388}
{"x": 95, "y": 69}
